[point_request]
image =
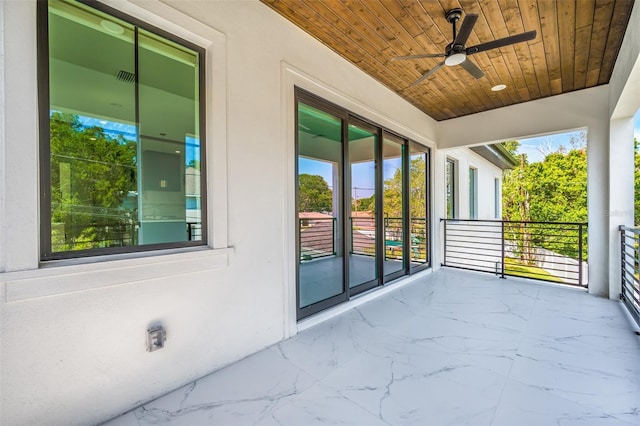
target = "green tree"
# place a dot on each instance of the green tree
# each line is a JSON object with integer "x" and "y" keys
{"x": 91, "y": 175}
{"x": 365, "y": 204}
{"x": 636, "y": 181}
{"x": 314, "y": 194}
{"x": 512, "y": 147}
{"x": 418, "y": 190}
{"x": 553, "y": 190}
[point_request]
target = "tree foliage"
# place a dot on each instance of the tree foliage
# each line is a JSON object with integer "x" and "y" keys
{"x": 393, "y": 192}
{"x": 314, "y": 194}
{"x": 91, "y": 175}
{"x": 553, "y": 190}
{"x": 636, "y": 182}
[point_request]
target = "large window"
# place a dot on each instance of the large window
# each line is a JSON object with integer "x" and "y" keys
{"x": 496, "y": 198}
{"x": 450, "y": 188}
{"x": 473, "y": 193}
{"x": 121, "y": 134}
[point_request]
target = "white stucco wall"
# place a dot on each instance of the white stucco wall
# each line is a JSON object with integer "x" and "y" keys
{"x": 486, "y": 173}
{"x": 73, "y": 335}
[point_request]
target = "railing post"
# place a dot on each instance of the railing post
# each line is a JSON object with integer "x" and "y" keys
{"x": 503, "y": 251}
{"x": 622, "y": 261}
{"x": 580, "y": 254}
{"x": 444, "y": 258}
{"x": 334, "y": 236}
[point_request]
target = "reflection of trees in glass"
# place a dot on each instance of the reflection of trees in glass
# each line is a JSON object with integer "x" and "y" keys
{"x": 91, "y": 176}
{"x": 314, "y": 194}
{"x": 418, "y": 190}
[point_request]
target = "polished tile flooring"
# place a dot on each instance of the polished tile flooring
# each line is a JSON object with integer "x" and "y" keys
{"x": 452, "y": 348}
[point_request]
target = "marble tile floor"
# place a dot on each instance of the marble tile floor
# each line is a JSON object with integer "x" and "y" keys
{"x": 454, "y": 348}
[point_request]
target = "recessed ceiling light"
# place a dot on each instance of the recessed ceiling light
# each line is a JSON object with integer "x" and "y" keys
{"x": 112, "y": 27}
{"x": 177, "y": 152}
{"x": 499, "y": 87}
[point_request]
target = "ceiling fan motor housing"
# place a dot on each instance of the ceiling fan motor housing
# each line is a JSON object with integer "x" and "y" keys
{"x": 453, "y": 15}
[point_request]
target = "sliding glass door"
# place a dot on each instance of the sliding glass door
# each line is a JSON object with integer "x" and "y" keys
{"x": 418, "y": 202}
{"x": 393, "y": 152}
{"x": 363, "y": 230}
{"x": 319, "y": 205}
{"x": 361, "y": 199}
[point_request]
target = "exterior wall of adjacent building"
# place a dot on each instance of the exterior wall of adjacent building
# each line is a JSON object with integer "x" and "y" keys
{"x": 73, "y": 332}
{"x": 486, "y": 174}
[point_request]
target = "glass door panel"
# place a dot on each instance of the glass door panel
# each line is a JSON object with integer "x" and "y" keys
{"x": 362, "y": 218}
{"x": 418, "y": 190}
{"x": 319, "y": 195}
{"x": 393, "y": 204}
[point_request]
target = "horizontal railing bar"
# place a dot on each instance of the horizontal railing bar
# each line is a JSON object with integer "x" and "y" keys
{"x": 511, "y": 221}
{"x": 628, "y": 229}
{"x": 632, "y": 289}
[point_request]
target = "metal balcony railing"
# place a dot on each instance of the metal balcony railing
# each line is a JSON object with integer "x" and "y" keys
{"x": 317, "y": 237}
{"x": 93, "y": 235}
{"x": 194, "y": 231}
{"x": 546, "y": 251}
{"x": 630, "y": 260}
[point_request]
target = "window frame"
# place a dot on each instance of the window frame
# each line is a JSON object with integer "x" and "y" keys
{"x": 497, "y": 198}
{"x": 473, "y": 193}
{"x": 450, "y": 198}
{"x": 347, "y": 115}
{"x": 44, "y": 106}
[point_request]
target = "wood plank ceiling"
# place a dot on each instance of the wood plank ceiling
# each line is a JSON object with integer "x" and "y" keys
{"x": 575, "y": 48}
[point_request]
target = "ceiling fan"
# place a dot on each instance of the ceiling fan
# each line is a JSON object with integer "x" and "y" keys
{"x": 456, "y": 53}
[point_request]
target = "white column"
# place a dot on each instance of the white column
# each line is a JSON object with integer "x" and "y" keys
{"x": 598, "y": 205}
{"x": 621, "y": 193}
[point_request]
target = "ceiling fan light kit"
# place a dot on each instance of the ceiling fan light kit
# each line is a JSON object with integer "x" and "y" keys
{"x": 455, "y": 59}
{"x": 456, "y": 53}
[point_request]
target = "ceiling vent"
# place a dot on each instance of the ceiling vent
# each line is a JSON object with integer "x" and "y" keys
{"x": 126, "y": 76}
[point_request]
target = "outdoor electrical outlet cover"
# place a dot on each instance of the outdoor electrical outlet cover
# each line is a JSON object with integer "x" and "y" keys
{"x": 156, "y": 336}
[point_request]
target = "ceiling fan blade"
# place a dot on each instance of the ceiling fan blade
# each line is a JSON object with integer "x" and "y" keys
{"x": 472, "y": 68}
{"x": 424, "y": 55}
{"x": 465, "y": 29}
{"x": 518, "y": 38}
{"x": 427, "y": 74}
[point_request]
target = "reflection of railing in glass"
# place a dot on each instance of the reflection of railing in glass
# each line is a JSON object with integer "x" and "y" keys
{"x": 363, "y": 237}
{"x": 317, "y": 238}
{"x": 93, "y": 235}
{"x": 194, "y": 231}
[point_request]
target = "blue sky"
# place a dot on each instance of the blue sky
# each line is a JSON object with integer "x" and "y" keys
{"x": 363, "y": 174}
{"x": 128, "y": 131}
{"x": 531, "y": 146}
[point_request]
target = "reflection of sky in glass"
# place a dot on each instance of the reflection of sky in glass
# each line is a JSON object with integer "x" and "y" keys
{"x": 111, "y": 128}
{"x": 362, "y": 177}
{"x": 316, "y": 167}
{"x": 128, "y": 132}
{"x": 390, "y": 166}
{"x": 192, "y": 149}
